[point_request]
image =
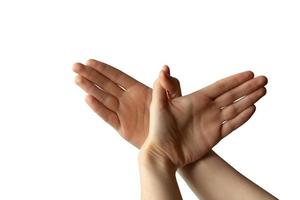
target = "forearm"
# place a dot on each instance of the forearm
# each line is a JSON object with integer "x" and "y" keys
{"x": 213, "y": 178}
{"x": 158, "y": 179}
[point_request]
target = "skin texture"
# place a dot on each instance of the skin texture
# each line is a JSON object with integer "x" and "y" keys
{"x": 167, "y": 147}
{"x": 124, "y": 103}
{"x": 157, "y": 176}
{"x": 185, "y": 128}
{"x": 212, "y": 178}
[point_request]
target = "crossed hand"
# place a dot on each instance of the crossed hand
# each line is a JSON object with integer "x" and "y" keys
{"x": 180, "y": 129}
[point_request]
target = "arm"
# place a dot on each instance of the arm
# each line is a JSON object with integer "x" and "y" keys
{"x": 157, "y": 178}
{"x": 134, "y": 128}
{"x": 209, "y": 176}
{"x": 213, "y": 178}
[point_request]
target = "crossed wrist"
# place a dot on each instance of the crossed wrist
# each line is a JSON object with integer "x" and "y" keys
{"x": 152, "y": 158}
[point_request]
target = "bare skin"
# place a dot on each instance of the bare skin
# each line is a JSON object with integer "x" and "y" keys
{"x": 185, "y": 128}
{"x": 167, "y": 146}
{"x": 124, "y": 102}
{"x": 121, "y": 96}
{"x": 157, "y": 175}
{"x": 166, "y": 149}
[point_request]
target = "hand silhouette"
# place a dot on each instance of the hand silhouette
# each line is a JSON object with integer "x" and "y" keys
{"x": 124, "y": 102}
{"x": 183, "y": 129}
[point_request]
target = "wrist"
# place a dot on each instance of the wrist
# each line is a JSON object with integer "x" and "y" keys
{"x": 155, "y": 160}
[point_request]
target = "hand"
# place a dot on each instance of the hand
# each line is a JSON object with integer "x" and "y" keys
{"x": 183, "y": 129}
{"x": 126, "y": 108}
{"x": 122, "y": 101}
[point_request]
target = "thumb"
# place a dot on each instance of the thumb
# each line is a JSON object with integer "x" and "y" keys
{"x": 169, "y": 83}
{"x": 159, "y": 95}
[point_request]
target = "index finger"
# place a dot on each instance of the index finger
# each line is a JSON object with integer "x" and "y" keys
{"x": 224, "y": 85}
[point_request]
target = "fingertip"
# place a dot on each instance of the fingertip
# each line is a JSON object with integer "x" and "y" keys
{"x": 264, "y": 91}
{"x": 89, "y": 98}
{"x": 265, "y": 79}
{"x": 78, "y": 80}
{"x": 91, "y": 62}
{"x": 77, "y": 67}
{"x": 250, "y": 111}
{"x": 249, "y": 74}
{"x": 253, "y": 109}
{"x": 166, "y": 69}
{"x": 164, "y": 80}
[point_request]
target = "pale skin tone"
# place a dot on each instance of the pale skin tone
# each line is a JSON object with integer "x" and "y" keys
{"x": 169, "y": 145}
{"x": 124, "y": 103}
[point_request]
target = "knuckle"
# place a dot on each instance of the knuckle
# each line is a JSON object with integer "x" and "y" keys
{"x": 232, "y": 111}
{"x": 232, "y": 96}
{"x": 110, "y": 101}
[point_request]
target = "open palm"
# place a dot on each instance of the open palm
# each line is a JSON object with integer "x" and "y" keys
{"x": 124, "y": 102}
{"x": 185, "y": 128}
{"x": 120, "y": 100}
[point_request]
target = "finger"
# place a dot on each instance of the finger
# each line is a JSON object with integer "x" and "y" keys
{"x": 106, "y": 99}
{"x": 236, "y": 122}
{"x": 171, "y": 84}
{"x": 159, "y": 96}
{"x": 117, "y": 76}
{"x": 97, "y": 78}
{"x": 240, "y": 91}
{"x": 107, "y": 115}
{"x": 236, "y": 108}
{"x": 219, "y": 87}
{"x": 166, "y": 69}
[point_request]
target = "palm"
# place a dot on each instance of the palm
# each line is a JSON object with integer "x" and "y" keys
{"x": 202, "y": 117}
{"x": 126, "y": 108}
{"x": 185, "y": 128}
{"x": 134, "y": 113}
{"x": 198, "y": 121}
{"x": 122, "y": 101}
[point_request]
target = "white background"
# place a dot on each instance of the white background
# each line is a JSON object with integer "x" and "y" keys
{"x": 52, "y": 146}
